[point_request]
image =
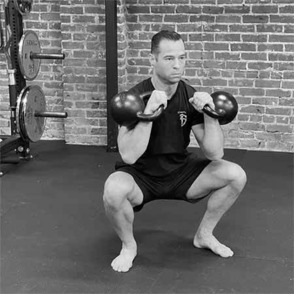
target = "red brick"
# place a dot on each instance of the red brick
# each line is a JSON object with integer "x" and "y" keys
{"x": 269, "y": 47}
{"x": 252, "y": 109}
{"x": 253, "y": 56}
{"x": 255, "y": 19}
{"x": 202, "y": 1}
{"x": 241, "y": 83}
{"x": 254, "y": 38}
{"x": 281, "y": 38}
{"x": 214, "y": 82}
{"x": 228, "y": 19}
{"x": 200, "y": 55}
{"x": 214, "y": 64}
{"x": 270, "y": 28}
{"x": 251, "y": 126}
{"x": 278, "y": 111}
{"x": 278, "y": 128}
{"x": 201, "y": 37}
{"x": 183, "y": 18}
{"x": 269, "y": 9}
{"x": 288, "y": 84}
{"x": 265, "y": 100}
{"x": 236, "y": 65}
{"x": 212, "y": 9}
{"x": 202, "y": 18}
{"x": 268, "y": 119}
{"x": 282, "y": 120}
{"x": 267, "y": 83}
{"x": 241, "y": 28}
{"x": 289, "y": 29}
{"x": 259, "y": 65}
{"x": 150, "y": 18}
{"x": 280, "y": 57}
{"x": 282, "y": 19}
{"x": 173, "y": 2}
{"x": 219, "y": 2}
{"x": 287, "y": 9}
{"x": 227, "y": 55}
{"x": 284, "y": 66}
{"x": 288, "y": 75}
{"x": 243, "y": 47}
{"x": 227, "y": 37}
{"x": 237, "y": 9}
{"x": 216, "y": 46}
{"x": 135, "y": 9}
{"x": 278, "y": 93}
{"x": 252, "y": 91}
{"x": 188, "y": 9}
{"x": 214, "y": 28}
{"x": 283, "y": 1}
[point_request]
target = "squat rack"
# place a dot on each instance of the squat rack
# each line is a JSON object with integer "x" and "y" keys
{"x": 111, "y": 69}
{"x": 17, "y": 82}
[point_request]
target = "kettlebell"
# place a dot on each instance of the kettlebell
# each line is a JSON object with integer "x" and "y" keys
{"x": 127, "y": 108}
{"x": 226, "y": 107}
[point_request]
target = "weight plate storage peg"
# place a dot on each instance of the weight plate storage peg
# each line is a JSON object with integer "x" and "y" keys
{"x": 24, "y": 7}
{"x": 29, "y": 44}
{"x": 31, "y": 101}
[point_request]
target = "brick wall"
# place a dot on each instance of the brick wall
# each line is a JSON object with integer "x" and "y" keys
{"x": 45, "y": 20}
{"x": 242, "y": 46}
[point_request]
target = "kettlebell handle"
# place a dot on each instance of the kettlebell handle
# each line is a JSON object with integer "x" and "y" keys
{"x": 127, "y": 108}
{"x": 226, "y": 107}
{"x": 212, "y": 113}
{"x": 149, "y": 117}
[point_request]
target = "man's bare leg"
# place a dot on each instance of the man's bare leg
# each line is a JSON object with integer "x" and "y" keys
{"x": 230, "y": 183}
{"x": 120, "y": 190}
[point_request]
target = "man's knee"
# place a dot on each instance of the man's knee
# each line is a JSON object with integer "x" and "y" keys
{"x": 116, "y": 190}
{"x": 236, "y": 175}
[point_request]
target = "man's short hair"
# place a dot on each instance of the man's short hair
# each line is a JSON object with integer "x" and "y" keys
{"x": 164, "y": 34}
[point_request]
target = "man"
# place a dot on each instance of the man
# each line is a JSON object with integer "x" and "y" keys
{"x": 156, "y": 164}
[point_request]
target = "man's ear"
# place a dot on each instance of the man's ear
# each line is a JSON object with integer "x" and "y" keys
{"x": 152, "y": 59}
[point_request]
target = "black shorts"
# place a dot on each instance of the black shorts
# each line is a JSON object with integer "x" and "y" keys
{"x": 173, "y": 186}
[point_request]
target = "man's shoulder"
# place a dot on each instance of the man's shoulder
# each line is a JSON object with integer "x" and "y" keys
{"x": 186, "y": 84}
{"x": 142, "y": 86}
{"x": 187, "y": 88}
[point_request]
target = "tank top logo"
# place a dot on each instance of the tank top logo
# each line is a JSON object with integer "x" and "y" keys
{"x": 183, "y": 117}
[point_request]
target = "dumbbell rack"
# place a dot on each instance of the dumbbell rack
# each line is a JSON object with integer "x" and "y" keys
{"x": 14, "y": 20}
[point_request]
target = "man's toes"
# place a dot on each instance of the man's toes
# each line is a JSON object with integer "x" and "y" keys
{"x": 224, "y": 251}
{"x": 121, "y": 264}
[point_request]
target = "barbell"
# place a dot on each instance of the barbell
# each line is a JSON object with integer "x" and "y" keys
{"x": 31, "y": 113}
{"x": 29, "y": 55}
{"x": 127, "y": 108}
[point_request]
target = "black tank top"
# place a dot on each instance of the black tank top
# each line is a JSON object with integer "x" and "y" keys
{"x": 170, "y": 135}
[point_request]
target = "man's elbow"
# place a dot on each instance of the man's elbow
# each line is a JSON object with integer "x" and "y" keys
{"x": 128, "y": 158}
{"x": 215, "y": 156}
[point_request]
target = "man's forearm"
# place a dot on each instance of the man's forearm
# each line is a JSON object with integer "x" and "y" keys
{"x": 133, "y": 143}
{"x": 213, "y": 139}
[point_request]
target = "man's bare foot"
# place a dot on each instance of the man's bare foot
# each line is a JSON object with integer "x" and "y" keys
{"x": 210, "y": 242}
{"x": 124, "y": 261}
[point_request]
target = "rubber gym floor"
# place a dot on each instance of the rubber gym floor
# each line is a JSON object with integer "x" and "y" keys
{"x": 55, "y": 237}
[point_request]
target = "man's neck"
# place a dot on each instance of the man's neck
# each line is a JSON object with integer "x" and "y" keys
{"x": 168, "y": 89}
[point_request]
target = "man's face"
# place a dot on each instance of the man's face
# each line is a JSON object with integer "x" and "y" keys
{"x": 169, "y": 62}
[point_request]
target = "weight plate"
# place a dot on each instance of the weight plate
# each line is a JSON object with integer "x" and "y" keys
{"x": 31, "y": 100}
{"x": 29, "y": 43}
{"x": 24, "y": 7}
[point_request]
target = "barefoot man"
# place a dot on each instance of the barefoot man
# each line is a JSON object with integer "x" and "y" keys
{"x": 155, "y": 161}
